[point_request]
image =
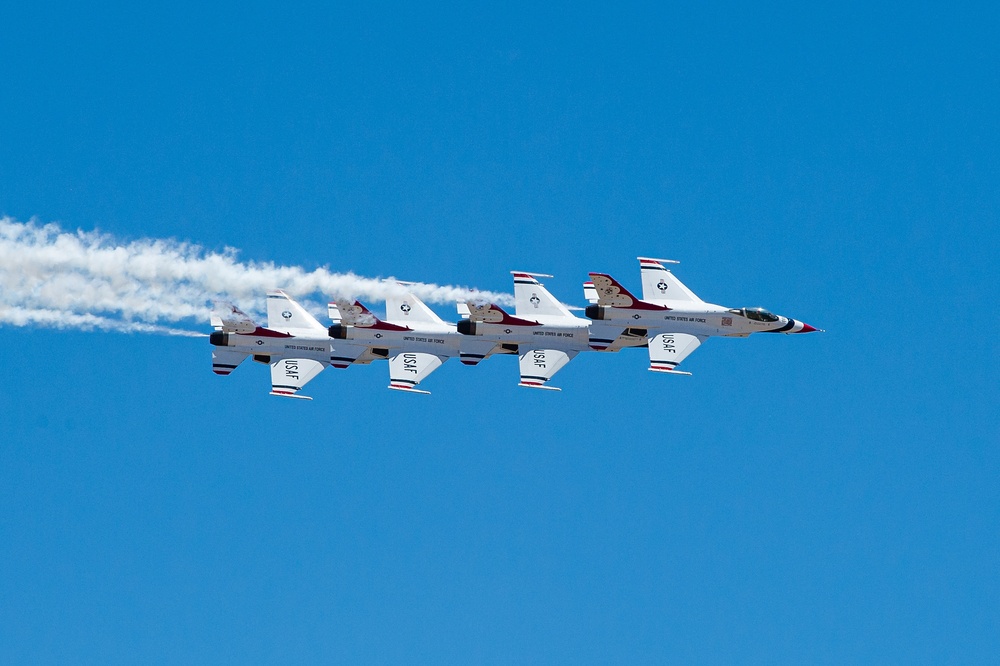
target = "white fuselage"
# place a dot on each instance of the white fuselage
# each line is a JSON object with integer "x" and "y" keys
{"x": 266, "y": 342}
{"x": 431, "y": 338}
{"x": 701, "y": 319}
{"x": 548, "y": 332}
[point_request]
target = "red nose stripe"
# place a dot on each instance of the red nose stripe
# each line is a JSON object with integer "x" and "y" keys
{"x": 806, "y": 328}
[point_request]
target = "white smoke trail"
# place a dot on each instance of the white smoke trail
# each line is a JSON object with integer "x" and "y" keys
{"x": 88, "y": 280}
{"x": 57, "y": 319}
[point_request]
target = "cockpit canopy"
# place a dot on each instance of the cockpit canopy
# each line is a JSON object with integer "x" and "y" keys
{"x": 757, "y": 314}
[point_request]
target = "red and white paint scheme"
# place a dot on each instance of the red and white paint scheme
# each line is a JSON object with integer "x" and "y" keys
{"x": 676, "y": 321}
{"x": 413, "y": 338}
{"x": 542, "y": 332}
{"x": 294, "y": 344}
{"x": 669, "y": 320}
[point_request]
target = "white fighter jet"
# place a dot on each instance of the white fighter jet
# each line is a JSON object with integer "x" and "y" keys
{"x": 294, "y": 344}
{"x": 413, "y": 338}
{"x": 669, "y": 319}
{"x": 675, "y": 319}
{"x": 542, "y": 331}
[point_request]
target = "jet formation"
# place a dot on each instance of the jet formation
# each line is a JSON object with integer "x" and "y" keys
{"x": 669, "y": 320}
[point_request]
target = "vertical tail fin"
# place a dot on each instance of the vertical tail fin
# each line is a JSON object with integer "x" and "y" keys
{"x": 531, "y": 298}
{"x": 659, "y": 284}
{"x": 284, "y": 314}
{"x": 408, "y": 309}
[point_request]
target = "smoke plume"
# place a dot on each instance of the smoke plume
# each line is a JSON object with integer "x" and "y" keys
{"x": 88, "y": 280}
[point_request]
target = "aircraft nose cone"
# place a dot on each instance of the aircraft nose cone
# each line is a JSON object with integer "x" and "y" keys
{"x": 796, "y": 326}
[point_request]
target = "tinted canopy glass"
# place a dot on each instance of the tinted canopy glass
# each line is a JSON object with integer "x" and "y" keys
{"x": 759, "y": 314}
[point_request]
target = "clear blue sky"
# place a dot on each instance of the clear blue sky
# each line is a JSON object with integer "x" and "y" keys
{"x": 801, "y": 499}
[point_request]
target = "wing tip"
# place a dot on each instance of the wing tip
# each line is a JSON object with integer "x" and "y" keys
{"x": 669, "y": 371}
{"x": 408, "y": 389}
{"x": 538, "y": 386}
{"x": 287, "y": 394}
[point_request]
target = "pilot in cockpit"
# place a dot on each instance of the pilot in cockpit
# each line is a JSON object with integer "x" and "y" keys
{"x": 756, "y": 314}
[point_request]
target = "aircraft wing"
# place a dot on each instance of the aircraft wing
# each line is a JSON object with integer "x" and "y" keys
{"x": 539, "y": 365}
{"x": 289, "y": 375}
{"x": 667, "y": 350}
{"x": 228, "y": 318}
{"x": 408, "y": 369}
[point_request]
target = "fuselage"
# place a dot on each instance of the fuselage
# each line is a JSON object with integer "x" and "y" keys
{"x": 538, "y": 332}
{"x": 387, "y": 339}
{"x": 265, "y": 343}
{"x": 702, "y": 319}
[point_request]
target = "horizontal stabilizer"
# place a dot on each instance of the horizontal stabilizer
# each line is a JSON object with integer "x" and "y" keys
{"x": 225, "y": 361}
{"x": 613, "y": 338}
{"x": 472, "y": 351}
{"x": 589, "y": 292}
{"x": 344, "y": 354}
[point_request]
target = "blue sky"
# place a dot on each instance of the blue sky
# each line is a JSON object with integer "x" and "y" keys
{"x": 823, "y": 499}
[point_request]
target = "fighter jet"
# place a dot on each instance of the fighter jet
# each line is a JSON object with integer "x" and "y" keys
{"x": 542, "y": 331}
{"x": 294, "y": 344}
{"x": 670, "y": 320}
{"x": 676, "y": 320}
{"x": 413, "y": 338}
